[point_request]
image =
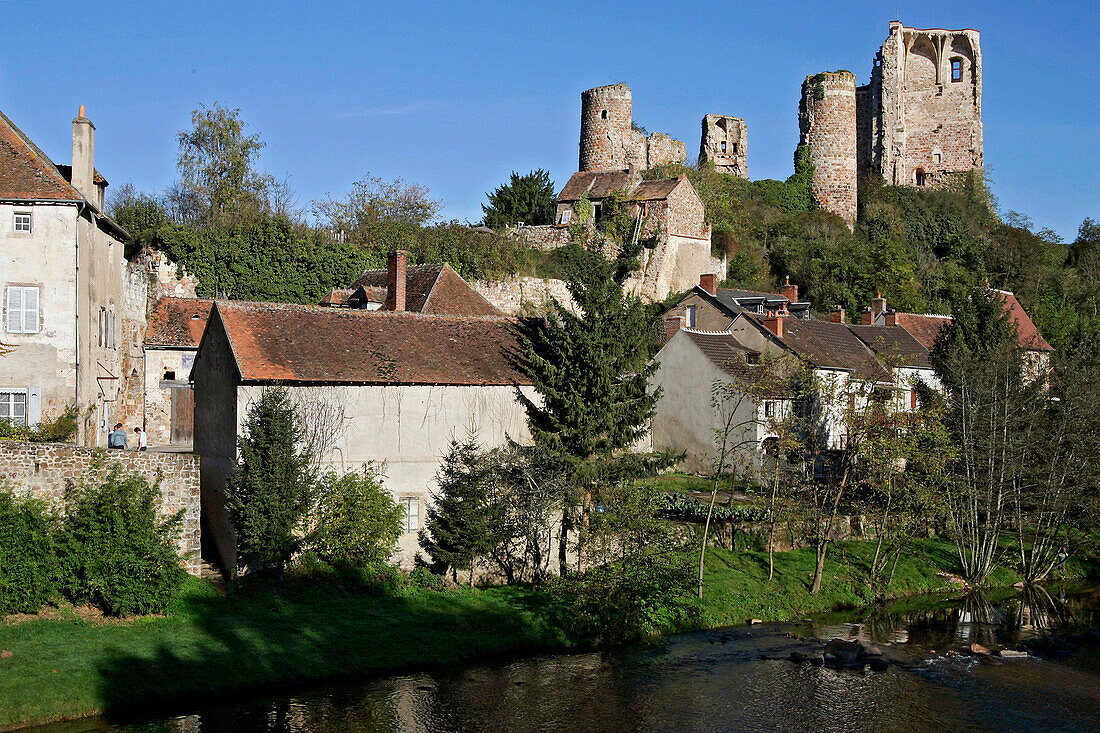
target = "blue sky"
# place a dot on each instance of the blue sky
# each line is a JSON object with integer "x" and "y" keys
{"x": 455, "y": 96}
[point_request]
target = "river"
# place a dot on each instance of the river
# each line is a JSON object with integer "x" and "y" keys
{"x": 718, "y": 681}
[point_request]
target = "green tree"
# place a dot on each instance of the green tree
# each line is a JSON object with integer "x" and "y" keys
{"x": 375, "y": 205}
{"x": 270, "y": 494}
{"x": 218, "y": 183}
{"x": 591, "y": 370}
{"x": 464, "y": 523}
{"x": 139, "y": 213}
{"x": 528, "y": 199}
{"x": 357, "y": 522}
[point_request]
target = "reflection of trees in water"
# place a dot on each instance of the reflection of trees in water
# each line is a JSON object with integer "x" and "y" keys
{"x": 1034, "y": 610}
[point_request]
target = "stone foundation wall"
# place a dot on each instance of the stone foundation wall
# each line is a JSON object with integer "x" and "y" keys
{"x": 46, "y": 470}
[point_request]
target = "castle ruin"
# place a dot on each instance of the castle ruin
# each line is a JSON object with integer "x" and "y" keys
{"x": 917, "y": 121}
{"x": 611, "y": 141}
{"x": 724, "y": 143}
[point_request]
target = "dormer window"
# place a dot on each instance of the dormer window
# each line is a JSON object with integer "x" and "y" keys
{"x": 956, "y": 69}
{"x": 751, "y": 358}
{"x": 689, "y": 316}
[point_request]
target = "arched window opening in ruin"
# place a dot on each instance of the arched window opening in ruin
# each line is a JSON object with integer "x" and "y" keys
{"x": 956, "y": 69}
{"x": 920, "y": 176}
{"x": 723, "y": 146}
{"x": 603, "y": 114}
{"x": 735, "y": 148}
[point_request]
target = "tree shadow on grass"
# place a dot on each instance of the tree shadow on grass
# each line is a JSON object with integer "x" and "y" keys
{"x": 299, "y": 634}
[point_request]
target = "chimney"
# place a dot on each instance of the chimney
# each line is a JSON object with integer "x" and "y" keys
{"x": 838, "y": 315}
{"x": 878, "y": 307}
{"x": 790, "y": 292}
{"x": 865, "y": 318}
{"x": 83, "y": 175}
{"x": 395, "y": 281}
{"x": 709, "y": 282}
{"x": 672, "y": 325}
{"x": 774, "y": 323}
{"x": 891, "y": 318}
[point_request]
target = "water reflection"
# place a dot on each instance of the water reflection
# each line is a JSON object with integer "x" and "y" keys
{"x": 716, "y": 681}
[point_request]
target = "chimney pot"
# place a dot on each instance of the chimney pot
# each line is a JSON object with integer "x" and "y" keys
{"x": 81, "y": 112}
{"x": 790, "y": 292}
{"x": 709, "y": 281}
{"x": 83, "y": 171}
{"x": 672, "y": 325}
{"x": 395, "y": 281}
{"x": 774, "y": 323}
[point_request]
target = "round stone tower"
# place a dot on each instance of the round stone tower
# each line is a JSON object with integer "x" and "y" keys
{"x": 827, "y": 120}
{"x": 606, "y": 137}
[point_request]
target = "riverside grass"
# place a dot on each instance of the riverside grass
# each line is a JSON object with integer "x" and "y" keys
{"x": 274, "y": 636}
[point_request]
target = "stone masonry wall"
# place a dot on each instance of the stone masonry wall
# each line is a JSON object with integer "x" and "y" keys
{"x": 525, "y": 295}
{"x": 827, "y": 119}
{"x": 732, "y": 132}
{"x": 606, "y": 137}
{"x": 46, "y": 470}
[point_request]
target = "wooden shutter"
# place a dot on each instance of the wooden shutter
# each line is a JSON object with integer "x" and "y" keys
{"x": 15, "y": 310}
{"x": 30, "y": 310}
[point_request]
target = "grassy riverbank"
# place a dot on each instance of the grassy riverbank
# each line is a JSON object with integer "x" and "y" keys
{"x": 268, "y": 636}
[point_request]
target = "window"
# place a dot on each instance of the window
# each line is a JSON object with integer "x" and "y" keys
{"x": 169, "y": 375}
{"x": 566, "y": 216}
{"x": 937, "y": 158}
{"x": 956, "y": 69}
{"x": 22, "y": 223}
{"x": 723, "y": 146}
{"x": 752, "y": 358}
{"x": 411, "y": 505}
{"x": 769, "y": 409}
{"x": 22, "y": 309}
{"x": 920, "y": 176}
{"x": 603, "y": 114}
{"x": 689, "y": 316}
{"x": 13, "y": 407}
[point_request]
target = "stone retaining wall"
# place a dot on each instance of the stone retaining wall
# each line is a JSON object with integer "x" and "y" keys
{"x": 46, "y": 470}
{"x": 524, "y": 295}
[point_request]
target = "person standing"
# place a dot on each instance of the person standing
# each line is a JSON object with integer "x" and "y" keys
{"x": 117, "y": 438}
{"x": 142, "y": 439}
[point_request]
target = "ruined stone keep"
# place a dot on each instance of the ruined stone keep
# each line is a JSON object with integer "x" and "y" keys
{"x": 724, "y": 143}
{"x": 921, "y": 114}
{"x": 609, "y": 140}
{"x": 827, "y": 123}
{"x": 918, "y": 120}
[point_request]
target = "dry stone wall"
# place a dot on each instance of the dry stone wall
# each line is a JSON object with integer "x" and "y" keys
{"x": 47, "y": 470}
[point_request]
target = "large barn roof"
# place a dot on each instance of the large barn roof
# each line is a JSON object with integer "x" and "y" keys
{"x": 312, "y": 344}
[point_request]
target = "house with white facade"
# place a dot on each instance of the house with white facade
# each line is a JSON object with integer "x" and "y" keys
{"x": 397, "y": 387}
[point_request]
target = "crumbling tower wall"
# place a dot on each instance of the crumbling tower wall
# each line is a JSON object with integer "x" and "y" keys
{"x": 923, "y": 109}
{"x": 827, "y": 121}
{"x": 724, "y": 143}
{"x": 607, "y": 140}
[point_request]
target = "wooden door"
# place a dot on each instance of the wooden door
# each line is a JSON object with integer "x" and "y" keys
{"x": 183, "y": 414}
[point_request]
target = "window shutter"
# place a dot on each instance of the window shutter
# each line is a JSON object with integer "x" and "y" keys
{"x": 15, "y": 310}
{"x": 30, "y": 310}
{"x": 34, "y": 406}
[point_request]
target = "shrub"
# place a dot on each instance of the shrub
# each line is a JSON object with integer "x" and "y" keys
{"x": 358, "y": 521}
{"x": 58, "y": 430}
{"x": 28, "y": 559}
{"x": 113, "y": 551}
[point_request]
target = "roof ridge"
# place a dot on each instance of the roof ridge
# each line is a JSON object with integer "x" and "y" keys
{"x": 358, "y": 312}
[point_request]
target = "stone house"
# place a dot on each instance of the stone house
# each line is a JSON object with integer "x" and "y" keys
{"x": 851, "y": 366}
{"x": 171, "y": 340}
{"x": 397, "y": 387}
{"x": 670, "y": 216}
{"x": 68, "y": 310}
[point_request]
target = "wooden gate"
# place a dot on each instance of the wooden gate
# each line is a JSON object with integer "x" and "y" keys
{"x": 183, "y": 414}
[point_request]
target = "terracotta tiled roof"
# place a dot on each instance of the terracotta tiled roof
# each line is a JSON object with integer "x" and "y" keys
{"x": 1026, "y": 330}
{"x": 654, "y": 190}
{"x": 336, "y": 296}
{"x": 924, "y": 327}
{"x": 432, "y": 289}
{"x": 314, "y": 344}
{"x": 177, "y": 323}
{"x": 26, "y": 173}
{"x": 598, "y": 184}
{"x": 894, "y": 345}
